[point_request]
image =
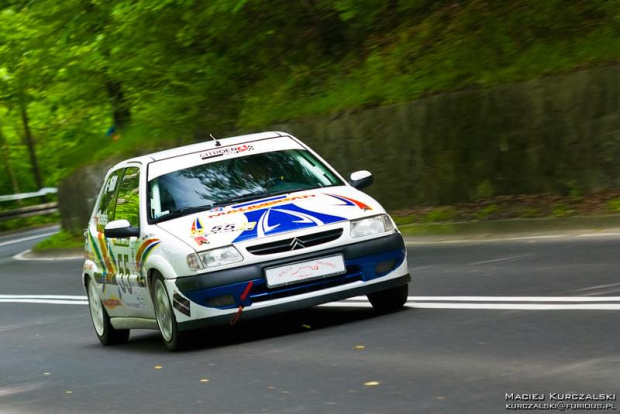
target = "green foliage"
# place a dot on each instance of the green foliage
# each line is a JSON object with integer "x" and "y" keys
{"x": 561, "y": 210}
{"x": 614, "y": 205}
{"x": 440, "y": 214}
{"x": 487, "y": 211}
{"x": 27, "y": 222}
{"x": 527, "y": 212}
{"x": 169, "y": 72}
{"x": 485, "y": 190}
{"x": 61, "y": 240}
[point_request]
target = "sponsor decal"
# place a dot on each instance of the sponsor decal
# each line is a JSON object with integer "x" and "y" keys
{"x": 197, "y": 229}
{"x": 120, "y": 242}
{"x": 89, "y": 267}
{"x": 229, "y": 228}
{"x": 262, "y": 204}
{"x": 134, "y": 302}
{"x": 100, "y": 247}
{"x": 284, "y": 218}
{"x": 181, "y": 304}
{"x": 111, "y": 184}
{"x": 112, "y": 303}
{"x": 226, "y": 151}
{"x": 351, "y": 202}
{"x": 101, "y": 219}
{"x": 200, "y": 240}
{"x": 197, "y": 232}
{"x": 145, "y": 250}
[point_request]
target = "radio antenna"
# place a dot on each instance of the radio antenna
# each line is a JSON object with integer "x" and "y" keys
{"x": 217, "y": 143}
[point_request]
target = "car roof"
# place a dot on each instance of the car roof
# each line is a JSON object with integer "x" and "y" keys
{"x": 201, "y": 146}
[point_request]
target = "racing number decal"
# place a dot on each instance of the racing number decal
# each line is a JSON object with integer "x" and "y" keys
{"x": 218, "y": 229}
{"x": 123, "y": 274}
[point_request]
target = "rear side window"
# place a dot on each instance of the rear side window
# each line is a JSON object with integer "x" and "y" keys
{"x": 128, "y": 200}
{"x": 105, "y": 209}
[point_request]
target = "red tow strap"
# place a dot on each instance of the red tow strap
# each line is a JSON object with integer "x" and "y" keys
{"x": 243, "y": 296}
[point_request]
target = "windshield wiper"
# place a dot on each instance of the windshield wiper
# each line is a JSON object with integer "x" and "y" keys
{"x": 183, "y": 212}
{"x": 245, "y": 197}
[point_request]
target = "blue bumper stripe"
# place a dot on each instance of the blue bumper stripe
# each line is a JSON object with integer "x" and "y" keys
{"x": 361, "y": 268}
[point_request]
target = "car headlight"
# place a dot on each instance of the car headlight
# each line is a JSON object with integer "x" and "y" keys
{"x": 214, "y": 258}
{"x": 371, "y": 225}
{"x": 220, "y": 257}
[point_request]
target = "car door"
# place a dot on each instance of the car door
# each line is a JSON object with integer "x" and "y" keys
{"x": 100, "y": 246}
{"x": 131, "y": 284}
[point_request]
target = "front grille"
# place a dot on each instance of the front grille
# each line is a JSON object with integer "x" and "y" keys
{"x": 295, "y": 243}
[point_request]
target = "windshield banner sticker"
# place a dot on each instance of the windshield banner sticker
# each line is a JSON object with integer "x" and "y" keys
{"x": 226, "y": 151}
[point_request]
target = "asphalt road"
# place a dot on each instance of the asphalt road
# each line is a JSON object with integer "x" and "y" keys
{"x": 483, "y": 320}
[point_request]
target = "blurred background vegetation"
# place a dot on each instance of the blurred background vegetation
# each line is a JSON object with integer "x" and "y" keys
{"x": 75, "y": 75}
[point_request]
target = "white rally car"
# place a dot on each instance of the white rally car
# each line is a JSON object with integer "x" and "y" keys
{"x": 239, "y": 227}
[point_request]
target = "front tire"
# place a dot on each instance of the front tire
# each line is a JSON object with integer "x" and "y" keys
{"x": 389, "y": 300}
{"x": 106, "y": 333}
{"x": 168, "y": 327}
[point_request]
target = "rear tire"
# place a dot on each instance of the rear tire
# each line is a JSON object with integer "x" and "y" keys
{"x": 106, "y": 333}
{"x": 389, "y": 300}
{"x": 168, "y": 327}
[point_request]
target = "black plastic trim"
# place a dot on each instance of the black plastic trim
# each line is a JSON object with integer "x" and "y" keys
{"x": 250, "y": 313}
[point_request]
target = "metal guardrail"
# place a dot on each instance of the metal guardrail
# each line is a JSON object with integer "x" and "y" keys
{"x": 22, "y": 212}
{"x": 38, "y": 210}
{"x": 40, "y": 193}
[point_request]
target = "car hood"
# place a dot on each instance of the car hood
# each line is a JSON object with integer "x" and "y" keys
{"x": 266, "y": 217}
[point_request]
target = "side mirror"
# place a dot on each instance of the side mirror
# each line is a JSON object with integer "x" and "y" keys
{"x": 120, "y": 229}
{"x": 361, "y": 179}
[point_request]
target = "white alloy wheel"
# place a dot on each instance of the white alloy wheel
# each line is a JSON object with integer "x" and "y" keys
{"x": 106, "y": 333}
{"x": 96, "y": 309}
{"x": 163, "y": 311}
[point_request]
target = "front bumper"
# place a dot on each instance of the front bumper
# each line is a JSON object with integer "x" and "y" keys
{"x": 372, "y": 265}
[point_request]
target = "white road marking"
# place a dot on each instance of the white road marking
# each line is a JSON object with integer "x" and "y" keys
{"x": 513, "y": 306}
{"x": 483, "y": 306}
{"x": 598, "y": 287}
{"x": 504, "y": 239}
{"x": 23, "y": 239}
{"x": 22, "y": 256}
{"x": 598, "y": 235}
{"x": 503, "y": 259}
{"x": 76, "y": 297}
{"x": 504, "y": 298}
{"x": 52, "y": 301}
{"x": 19, "y": 389}
{"x": 419, "y": 302}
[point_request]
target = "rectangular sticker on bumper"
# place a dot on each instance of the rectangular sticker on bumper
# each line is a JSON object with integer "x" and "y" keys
{"x": 306, "y": 270}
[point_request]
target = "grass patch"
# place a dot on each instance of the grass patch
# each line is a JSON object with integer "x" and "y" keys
{"x": 614, "y": 205}
{"x": 441, "y": 214}
{"x": 525, "y": 206}
{"x": 62, "y": 240}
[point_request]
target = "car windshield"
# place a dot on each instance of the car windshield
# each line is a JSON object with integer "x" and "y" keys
{"x": 236, "y": 180}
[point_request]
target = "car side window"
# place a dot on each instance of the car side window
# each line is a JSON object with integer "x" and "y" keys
{"x": 105, "y": 210}
{"x": 128, "y": 199}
